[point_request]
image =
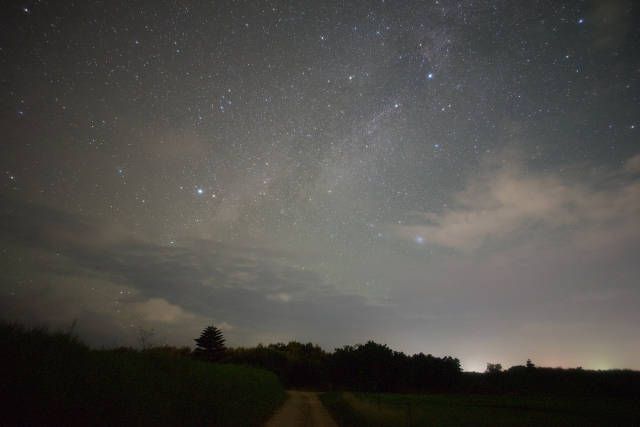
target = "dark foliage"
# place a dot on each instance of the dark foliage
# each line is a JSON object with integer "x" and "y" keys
{"x": 210, "y": 345}
{"x": 54, "y": 379}
{"x": 375, "y": 367}
{"x": 371, "y": 367}
{"x": 432, "y": 373}
{"x": 533, "y": 380}
{"x": 295, "y": 364}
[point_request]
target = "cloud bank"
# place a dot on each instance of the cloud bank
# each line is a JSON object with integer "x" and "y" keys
{"x": 253, "y": 293}
{"x": 505, "y": 204}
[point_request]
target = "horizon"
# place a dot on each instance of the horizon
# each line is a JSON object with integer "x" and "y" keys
{"x": 451, "y": 178}
{"x": 152, "y": 342}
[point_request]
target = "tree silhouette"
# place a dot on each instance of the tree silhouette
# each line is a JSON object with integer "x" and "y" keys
{"x": 210, "y": 345}
{"x": 145, "y": 339}
{"x": 493, "y": 368}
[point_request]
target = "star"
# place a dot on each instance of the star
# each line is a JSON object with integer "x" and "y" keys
{"x": 334, "y": 130}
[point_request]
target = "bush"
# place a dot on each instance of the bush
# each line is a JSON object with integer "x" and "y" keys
{"x": 55, "y": 379}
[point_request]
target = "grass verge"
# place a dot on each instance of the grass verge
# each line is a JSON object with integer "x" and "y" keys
{"x": 53, "y": 378}
{"x": 365, "y": 409}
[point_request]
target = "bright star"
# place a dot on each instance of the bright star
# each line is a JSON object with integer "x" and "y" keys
{"x": 419, "y": 240}
{"x": 200, "y": 191}
{"x": 429, "y": 76}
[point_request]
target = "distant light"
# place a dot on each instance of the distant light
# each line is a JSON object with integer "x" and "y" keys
{"x": 429, "y": 76}
{"x": 580, "y": 21}
{"x": 419, "y": 240}
{"x": 200, "y": 191}
{"x": 437, "y": 145}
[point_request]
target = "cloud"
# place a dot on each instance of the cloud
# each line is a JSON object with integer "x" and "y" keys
{"x": 224, "y": 326}
{"x": 159, "y": 310}
{"x": 250, "y": 292}
{"x": 504, "y": 204}
{"x": 611, "y": 23}
{"x": 632, "y": 166}
{"x": 42, "y": 227}
{"x": 279, "y": 297}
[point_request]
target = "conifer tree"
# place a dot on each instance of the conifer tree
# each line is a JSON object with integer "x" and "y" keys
{"x": 210, "y": 345}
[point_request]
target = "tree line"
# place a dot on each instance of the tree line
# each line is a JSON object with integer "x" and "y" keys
{"x": 374, "y": 367}
{"x": 532, "y": 379}
{"x": 362, "y": 367}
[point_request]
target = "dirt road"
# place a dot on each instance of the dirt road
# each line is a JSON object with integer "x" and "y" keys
{"x": 301, "y": 410}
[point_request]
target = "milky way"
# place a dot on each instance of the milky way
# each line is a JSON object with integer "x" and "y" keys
{"x": 458, "y": 178}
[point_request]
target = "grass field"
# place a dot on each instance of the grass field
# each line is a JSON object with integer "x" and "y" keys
{"x": 55, "y": 379}
{"x": 365, "y": 409}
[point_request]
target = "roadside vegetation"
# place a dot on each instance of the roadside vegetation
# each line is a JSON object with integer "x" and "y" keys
{"x": 437, "y": 410}
{"x": 373, "y": 367}
{"x": 53, "y": 378}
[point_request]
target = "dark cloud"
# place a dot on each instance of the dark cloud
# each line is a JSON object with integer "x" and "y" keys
{"x": 248, "y": 287}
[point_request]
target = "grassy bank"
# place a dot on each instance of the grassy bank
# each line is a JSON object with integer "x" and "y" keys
{"x": 55, "y": 379}
{"x": 364, "y": 409}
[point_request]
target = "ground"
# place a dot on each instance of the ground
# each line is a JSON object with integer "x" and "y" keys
{"x": 303, "y": 408}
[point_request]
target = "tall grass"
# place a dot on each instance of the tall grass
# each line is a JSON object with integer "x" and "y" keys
{"x": 53, "y": 378}
{"x": 379, "y": 410}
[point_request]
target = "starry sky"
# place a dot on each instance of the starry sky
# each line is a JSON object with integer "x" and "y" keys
{"x": 449, "y": 177}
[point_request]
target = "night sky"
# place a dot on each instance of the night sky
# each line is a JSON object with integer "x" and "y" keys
{"x": 450, "y": 177}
